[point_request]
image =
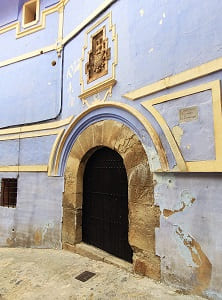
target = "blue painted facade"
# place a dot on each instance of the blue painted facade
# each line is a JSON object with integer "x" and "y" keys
{"x": 40, "y": 83}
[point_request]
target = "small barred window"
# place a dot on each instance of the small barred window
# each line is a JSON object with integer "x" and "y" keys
{"x": 8, "y": 192}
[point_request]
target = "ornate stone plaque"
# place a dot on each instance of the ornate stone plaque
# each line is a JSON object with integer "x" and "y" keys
{"x": 98, "y": 56}
{"x": 188, "y": 114}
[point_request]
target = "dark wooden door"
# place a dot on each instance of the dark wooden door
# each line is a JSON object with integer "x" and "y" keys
{"x": 105, "y": 204}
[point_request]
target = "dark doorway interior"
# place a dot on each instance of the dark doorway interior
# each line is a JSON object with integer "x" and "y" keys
{"x": 105, "y": 204}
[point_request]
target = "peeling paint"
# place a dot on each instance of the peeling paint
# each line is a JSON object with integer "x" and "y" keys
{"x": 11, "y": 241}
{"x": 123, "y": 144}
{"x": 168, "y": 212}
{"x": 70, "y": 88}
{"x": 167, "y": 179}
{"x": 203, "y": 267}
{"x": 187, "y": 200}
{"x": 153, "y": 159}
{"x": 38, "y": 237}
{"x": 72, "y": 69}
{"x": 187, "y": 197}
{"x": 178, "y": 133}
{"x": 184, "y": 251}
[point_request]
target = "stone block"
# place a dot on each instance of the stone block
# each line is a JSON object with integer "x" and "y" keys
{"x": 141, "y": 175}
{"x": 111, "y": 131}
{"x": 70, "y": 182}
{"x": 125, "y": 140}
{"x": 86, "y": 139}
{"x": 98, "y": 133}
{"x": 134, "y": 156}
{"x": 144, "y": 215}
{"x": 148, "y": 267}
{"x": 77, "y": 151}
{"x": 72, "y": 200}
{"x": 142, "y": 238}
{"x": 140, "y": 195}
{"x": 72, "y": 229}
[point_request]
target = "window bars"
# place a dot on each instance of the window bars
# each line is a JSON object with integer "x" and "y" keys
{"x": 8, "y": 192}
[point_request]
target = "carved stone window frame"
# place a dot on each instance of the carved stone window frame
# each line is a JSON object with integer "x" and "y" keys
{"x": 89, "y": 89}
{"x": 105, "y": 40}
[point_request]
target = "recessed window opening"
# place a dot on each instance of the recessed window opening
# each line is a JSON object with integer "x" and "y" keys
{"x": 8, "y": 192}
{"x": 30, "y": 10}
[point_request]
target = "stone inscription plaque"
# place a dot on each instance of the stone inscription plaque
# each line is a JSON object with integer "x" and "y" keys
{"x": 188, "y": 114}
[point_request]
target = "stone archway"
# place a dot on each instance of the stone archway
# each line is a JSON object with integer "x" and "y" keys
{"x": 143, "y": 214}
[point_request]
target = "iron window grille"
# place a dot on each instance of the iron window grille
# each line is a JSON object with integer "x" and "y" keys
{"x": 8, "y": 192}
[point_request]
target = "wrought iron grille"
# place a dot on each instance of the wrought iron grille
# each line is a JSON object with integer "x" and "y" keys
{"x": 9, "y": 192}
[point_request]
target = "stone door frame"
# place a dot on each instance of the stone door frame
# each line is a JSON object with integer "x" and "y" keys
{"x": 143, "y": 213}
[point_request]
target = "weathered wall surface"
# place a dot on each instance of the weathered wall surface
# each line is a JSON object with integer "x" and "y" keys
{"x": 176, "y": 116}
{"x": 31, "y": 151}
{"x": 145, "y": 56}
{"x": 31, "y": 89}
{"x": 188, "y": 241}
{"x": 191, "y": 135}
{"x": 36, "y": 220}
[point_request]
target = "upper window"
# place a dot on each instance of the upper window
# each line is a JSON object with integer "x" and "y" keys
{"x": 8, "y": 192}
{"x": 30, "y": 13}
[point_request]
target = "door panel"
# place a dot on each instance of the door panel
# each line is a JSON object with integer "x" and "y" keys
{"x": 105, "y": 204}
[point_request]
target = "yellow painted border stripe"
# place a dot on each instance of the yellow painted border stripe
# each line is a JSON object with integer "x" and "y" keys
{"x": 33, "y": 168}
{"x": 29, "y": 132}
{"x": 217, "y": 113}
{"x": 28, "y": 55}
{"x": 170, "y": 138}
{"x": 183, "y": 93}
{"x": 88, "y": 20}
{"x": 37, "y": 127}
{"x": 37, "y": 27}
{"x": 29, "y": 135}
{"x": 53, "y": 152}
{"x": 203, "y": 166}
{"x": 171, "y": 81}
{"x": 59, "y": 7}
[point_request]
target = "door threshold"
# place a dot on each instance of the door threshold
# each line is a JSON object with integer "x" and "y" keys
{"x": 98, "y": 254}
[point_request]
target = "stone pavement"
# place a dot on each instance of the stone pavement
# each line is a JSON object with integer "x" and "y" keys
{"x": 50, "y": 274}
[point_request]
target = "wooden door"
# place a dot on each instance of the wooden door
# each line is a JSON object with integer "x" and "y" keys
{"x": 105, "y": 204}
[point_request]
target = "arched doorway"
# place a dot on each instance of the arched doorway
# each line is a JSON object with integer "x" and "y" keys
{"x": 144, "y": 214}
{"x": 105, "y": 204}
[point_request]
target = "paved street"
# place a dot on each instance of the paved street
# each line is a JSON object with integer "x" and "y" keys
{"x": 50, "y": 274}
